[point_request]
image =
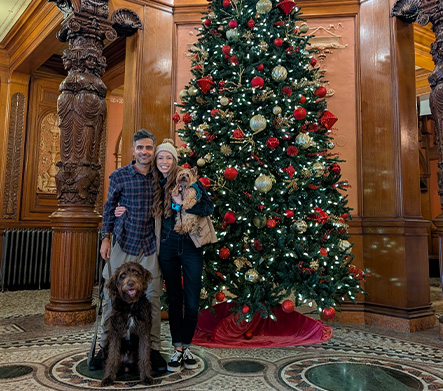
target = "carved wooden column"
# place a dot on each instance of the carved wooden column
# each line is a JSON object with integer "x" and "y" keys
{"x": 424, "y": 12}
{"x": 82, "y": 114}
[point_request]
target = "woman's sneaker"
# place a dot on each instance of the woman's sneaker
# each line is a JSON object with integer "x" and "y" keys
{"x": 189, "y": 360}
{"x": 176, "y": 361}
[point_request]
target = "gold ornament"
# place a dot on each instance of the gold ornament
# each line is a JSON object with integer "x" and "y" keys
{"x": 252, "y": 275}
{"x": 304, "y": 28}
{"x": 224, "y": 101}
{"x": 183, "y": 94}
{"x": 232, "y": 35}
{"x": 208, "y": 158}
{"x": 201, "y": 162}
{"x": 263, "y": 6}
{"x": 211, "y": 15}
{"x": 301, "y": 226}
{"x": 200, "y": 131}
{"x": 276, "y": 110}
{"x": 240, "y": 262}
{"x": 319, "y": 169}
{"x": 259, "y": 221}
{"x": 263, "y": 183}
{"x": 257, "y": 123}
{"x": 225, "y": 150}
{"x": 203, "y": 294}
{"x": 314, "y": 265}
{"x": 344, "y": 245}
{"x": 303, "y": 140}
{"x": 263, "y": 46}
{"x": 192, "y": 91}
{"x": 279, "y": 73}
{"x": 331, "y": 145}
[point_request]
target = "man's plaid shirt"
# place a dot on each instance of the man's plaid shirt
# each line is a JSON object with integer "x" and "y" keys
{"x": 134, "y": 230}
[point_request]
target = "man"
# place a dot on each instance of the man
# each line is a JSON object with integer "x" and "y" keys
{"x": 133, "y": 232}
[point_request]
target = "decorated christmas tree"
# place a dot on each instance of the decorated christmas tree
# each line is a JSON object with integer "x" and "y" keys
{"x": 255, "y": 122}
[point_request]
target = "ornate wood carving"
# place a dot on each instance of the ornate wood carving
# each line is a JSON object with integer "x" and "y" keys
{"x": 14, "y": 157}
{"x": 82, "y": 113}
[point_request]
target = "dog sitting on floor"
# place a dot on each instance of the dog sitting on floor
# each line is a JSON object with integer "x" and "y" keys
{"x": 128, "y": 342}
{"x": 186, "y": 178}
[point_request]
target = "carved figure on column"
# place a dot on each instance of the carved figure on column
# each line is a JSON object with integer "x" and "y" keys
{"x": 81, "y": 105}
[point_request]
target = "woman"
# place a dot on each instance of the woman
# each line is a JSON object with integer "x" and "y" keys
{"x": 178, "y": 254}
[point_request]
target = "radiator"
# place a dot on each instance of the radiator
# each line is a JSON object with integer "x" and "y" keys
{"x": 26, "y": 259}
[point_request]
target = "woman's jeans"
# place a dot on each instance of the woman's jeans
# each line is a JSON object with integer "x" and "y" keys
{"x": 178, "y": 255}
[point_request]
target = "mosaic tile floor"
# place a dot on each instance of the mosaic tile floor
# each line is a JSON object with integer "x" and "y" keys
{"x": 36, "y": 357}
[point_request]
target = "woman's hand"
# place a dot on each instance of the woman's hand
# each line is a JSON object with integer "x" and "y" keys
{"x": 177, "y": 199}
{"x": 119, "y": 211}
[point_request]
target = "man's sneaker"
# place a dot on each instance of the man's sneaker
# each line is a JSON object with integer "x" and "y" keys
{"x": 176, "y": 362}
{"x": 189, "y": 360}
{"x": 158, "y": 363}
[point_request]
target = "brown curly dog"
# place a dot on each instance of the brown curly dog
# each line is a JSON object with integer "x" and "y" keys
{"x": 128, "y": 342}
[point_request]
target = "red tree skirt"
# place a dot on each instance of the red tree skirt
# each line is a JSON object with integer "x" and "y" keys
{"x": 222, "y": 331}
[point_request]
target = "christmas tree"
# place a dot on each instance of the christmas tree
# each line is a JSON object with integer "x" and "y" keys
{"x": 255, "y": 123}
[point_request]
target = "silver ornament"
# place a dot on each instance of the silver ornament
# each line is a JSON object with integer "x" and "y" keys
{"x": 263, "y": 183}
{"x": 303, "y": 140}
{"x": 263, "y": 6}
{"x": 257, "y": 123}
{"x": 232, "y": 34}
{"x": 300, "y": 226}
{"x": 279, "y": 73}
{"x": 252, "y": 275}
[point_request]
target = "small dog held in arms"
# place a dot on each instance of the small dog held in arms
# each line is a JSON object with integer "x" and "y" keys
{"x": 128, "y": 342}
{"x": 186, "y": 188}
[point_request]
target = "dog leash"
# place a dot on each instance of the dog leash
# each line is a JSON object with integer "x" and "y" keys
{"x": 91, "y": 354}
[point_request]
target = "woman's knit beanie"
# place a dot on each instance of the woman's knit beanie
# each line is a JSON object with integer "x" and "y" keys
{"x": 168, "y": 146}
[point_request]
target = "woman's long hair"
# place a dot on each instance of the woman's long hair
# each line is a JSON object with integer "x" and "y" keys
{"x": 162, "y": 194}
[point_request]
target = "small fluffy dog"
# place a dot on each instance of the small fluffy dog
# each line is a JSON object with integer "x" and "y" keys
{"x": 185, "y": 222}
{"x": 128, "y": 342}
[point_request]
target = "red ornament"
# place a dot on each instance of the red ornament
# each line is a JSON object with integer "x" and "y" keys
{"x": 289, "y": 213}
{"x": 320, "y": 92}
{"x": 206, "y": 182}
{"x": 286, "y": 136}
{"x": 186, "y": 165}
{"x": 220, "y": 296}
{"x": 335, "y": 168}
{"x": 187, "y": 118}
{"x": 302, "y": 100}
{"x": 299, "y": 113}
{"x": 258, "y": 246}
{"x": 176, "y": 117}
{"x": 286, "y": 6}
{"x": 251, "y": 24}
{"x": 292, "y": 151}
{"x": 288, "y": 306}
{"x": 229, "y": 217}
{"x": 257, "y": 82}
{"x": 313, "y": 127}
{"x": 226, "y": 3}
{"x": 313, "y": 61}
{"x": 278, "y": 41}
{"x": 248, "y": 335}
{"x": 207, "y": 22}
{"x": 224, "y": 253}
{"x": 272, "y": 142}
{"x": 234, "y": 60}
{"x": 245, "y": 309}
{"x": 290, "y": 171}
{"x": 232, "y": 24}
{"x": 238, "y": 134}
{"x": 226, "y": 50}
{"x": 344, "y": 216}
{"x": 329, "y": 313}
{"x": 231, "y": 173}
{"x": 323, "y": 252}
{"x": 328, "y": 119}
{"x": 271, "y": 223}
{"x": 286, "y": 91}
{"x": 279, "y": 23}
{"x": 260, "y": 67}
{"x": 214, "y": 112}
{"x": 205, "y": 84}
